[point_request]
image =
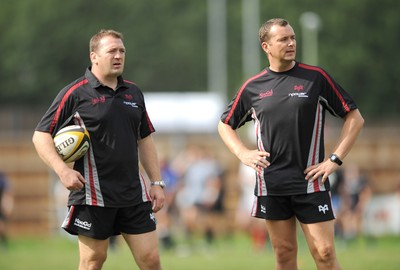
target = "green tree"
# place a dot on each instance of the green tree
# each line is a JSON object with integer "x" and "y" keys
{"x": 45, "y": 45}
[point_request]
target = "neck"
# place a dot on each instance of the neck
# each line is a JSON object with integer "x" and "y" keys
{"x": 110, "y": 81}
{"x": 282, "y": 66}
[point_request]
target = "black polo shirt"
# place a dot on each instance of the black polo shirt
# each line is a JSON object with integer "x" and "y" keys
{"x": 288, "y": 110}
{"x": 115, "y": 120}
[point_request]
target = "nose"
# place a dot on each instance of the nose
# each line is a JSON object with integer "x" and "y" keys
{"x": 119, "y": 54}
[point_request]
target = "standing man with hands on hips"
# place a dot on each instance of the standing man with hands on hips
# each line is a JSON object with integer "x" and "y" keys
{"x": 108, "y": 195}
{"x": 287, "y": 102}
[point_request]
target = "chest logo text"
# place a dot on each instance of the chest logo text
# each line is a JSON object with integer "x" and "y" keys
{"x": 299, "y": 91}
{"x": 268, "y": 93}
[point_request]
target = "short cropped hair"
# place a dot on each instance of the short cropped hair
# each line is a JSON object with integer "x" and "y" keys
{"x": 263, "y": 33}
{"x": 95, "y": 40}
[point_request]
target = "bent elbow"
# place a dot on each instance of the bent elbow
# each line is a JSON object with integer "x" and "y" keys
{"x": 360, "y": 121}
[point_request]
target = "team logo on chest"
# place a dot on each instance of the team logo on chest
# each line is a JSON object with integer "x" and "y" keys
{"x": 101, "y": 99}
{"x": 298, "y": 88}
{"x": 265, "y": 94}
{"x": 298, "y": 91}
{"x": 132, "y": 104}
{"x": 128, "y": 101}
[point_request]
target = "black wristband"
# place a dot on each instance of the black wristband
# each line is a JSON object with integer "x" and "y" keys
{"x": 336, "y": 159}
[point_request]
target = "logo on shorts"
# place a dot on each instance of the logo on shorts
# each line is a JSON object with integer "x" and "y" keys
{"x": 82, "y": 224}
{"x": 153, "y": 218}
{"x": 323, "y": 208}
{"x": 263, "y": 209}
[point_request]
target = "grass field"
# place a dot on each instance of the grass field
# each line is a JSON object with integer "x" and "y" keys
{"x": 233, "y": 253}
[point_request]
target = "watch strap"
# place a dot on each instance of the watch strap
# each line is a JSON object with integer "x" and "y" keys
{"x": 334, "y": 158}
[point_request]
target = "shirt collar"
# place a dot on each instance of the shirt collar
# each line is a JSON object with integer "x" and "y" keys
{"x": 95, "y": 83}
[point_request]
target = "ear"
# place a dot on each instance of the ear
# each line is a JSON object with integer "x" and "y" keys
{"x": 93, "y": 57}
{"x": 265, "y": 47}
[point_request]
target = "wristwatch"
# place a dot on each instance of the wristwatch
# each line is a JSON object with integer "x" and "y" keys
{"x": 160, "y": 183}
{"x": 336, "y": 159}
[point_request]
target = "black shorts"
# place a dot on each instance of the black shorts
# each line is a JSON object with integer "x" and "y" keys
{"x": 103, "y": 222}
{"x": 308, "y": 208}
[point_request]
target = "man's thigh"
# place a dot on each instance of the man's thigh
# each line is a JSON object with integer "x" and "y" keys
{"x": 142, "y": 246}
{"x": 92, "y": 249}
{"x": 319, "y": 234}
{"x": 282, "y": 232}
{"x": 143, "y": 241}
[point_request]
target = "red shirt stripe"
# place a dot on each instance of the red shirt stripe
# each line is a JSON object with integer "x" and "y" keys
{"x": 240, "y": 93}
{"x": 345, "y": 106}
{"x": 62, "y": 103}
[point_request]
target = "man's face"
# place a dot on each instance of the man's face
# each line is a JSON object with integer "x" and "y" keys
{"x": 109, "y": 58}
{"x": 281, "y": 46}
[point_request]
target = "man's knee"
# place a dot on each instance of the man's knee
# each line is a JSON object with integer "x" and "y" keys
{"x": 325, "y": 255}
{"x": 285, "y": 253}
{"x": 150, "y": 259}
{"x": 92, "y": 262}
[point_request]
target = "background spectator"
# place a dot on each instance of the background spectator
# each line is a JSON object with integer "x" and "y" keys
{"x": 6, "y": 207}
{"x": 254, "y": 227}
{"x": 200, "y": 196}
{"x": 355, "y": 196}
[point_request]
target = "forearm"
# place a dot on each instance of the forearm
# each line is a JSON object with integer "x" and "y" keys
{"x": 44, "y": 145}
{"x": 231, "y": 139}
{"x": 149, "y": 158}
{"x": 352, "y": 126}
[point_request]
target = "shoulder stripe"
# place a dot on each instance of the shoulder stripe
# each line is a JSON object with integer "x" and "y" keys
{"x": 345, "y": 105}
{"x": 240, "y": 93}
{"x": 64, "y": 99}
{"x": 126, "y": 81}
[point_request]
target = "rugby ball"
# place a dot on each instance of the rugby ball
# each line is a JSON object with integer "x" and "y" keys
{"x": 72, "y": 143}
